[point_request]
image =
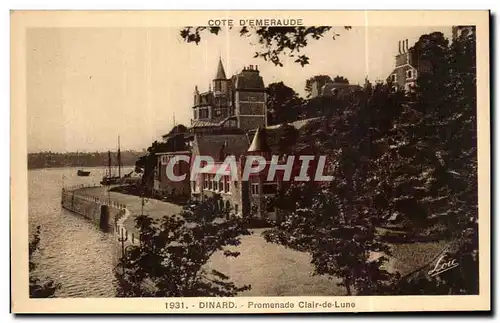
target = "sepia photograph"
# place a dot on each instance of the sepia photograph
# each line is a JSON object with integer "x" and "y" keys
{"x": 263, "y": 162}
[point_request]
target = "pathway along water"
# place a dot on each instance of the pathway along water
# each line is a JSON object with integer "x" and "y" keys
{"x": 73, "y": 251}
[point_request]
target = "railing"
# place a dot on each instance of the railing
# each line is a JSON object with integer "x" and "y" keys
{"x": 79, "y": 186}
{"x": 94, "y": 199}
{"x": 120, "y": 231}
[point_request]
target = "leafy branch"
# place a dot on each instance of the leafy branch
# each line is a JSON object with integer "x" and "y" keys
{"x": 274, "y": 42}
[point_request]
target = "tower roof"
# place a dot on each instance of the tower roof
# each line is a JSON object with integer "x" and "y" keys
{"x": 249, "y": 79}
{"x": 259, "y": 142}
{"x": 221, "y": 74}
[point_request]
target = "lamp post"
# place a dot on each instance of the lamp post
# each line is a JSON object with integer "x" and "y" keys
{"x": 122, "y": 239}
{"x": 142, "y": 204}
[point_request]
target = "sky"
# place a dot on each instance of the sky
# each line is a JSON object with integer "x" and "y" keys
{"x": 87, "y": 86}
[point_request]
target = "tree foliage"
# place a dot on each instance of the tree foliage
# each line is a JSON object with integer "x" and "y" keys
{"x": 322, "y": 79}
{"x": 283, "y": 103}
{"x": 39, "y": 288}
{"x": 340, "y": 79}
{"x": 444, "y": 139}
{"x": 336, "y": 222}
{"x": 413, "y": 155}
{"x": 171, "y": 258}
{"x": 275, "y": 42}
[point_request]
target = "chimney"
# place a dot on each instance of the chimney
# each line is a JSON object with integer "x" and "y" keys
{"x": 256, "y": 67}
{"x": 251, "y": 67}
{"x": 399, "y": 47}
{"x": 406, "y": 44}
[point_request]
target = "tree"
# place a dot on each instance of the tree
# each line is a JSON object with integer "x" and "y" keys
{"x": 275, "y": 42}
{"x": 283, "y": 103}
{"x": 171, "y": 259}
{"x": 340, "y": 79}
{"x": 321, "y": 79}
{"x": 336, "y": 222}
{"x": 340, "y": 244}
{"x": 39, "y": 289}
{"x": 288, "y": 136}
{"x": 448, "y": 102}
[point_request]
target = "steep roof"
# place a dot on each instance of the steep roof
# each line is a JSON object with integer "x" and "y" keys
{"x": 259, "y": 142}
{"x": 214, "y": 122}
{"x": 249, "y": 79}
{"x": 221, "y": 74}
{"x": 329, "y": 88}
{"x": 296, "y": 124}
{"x": 211, "y": 145}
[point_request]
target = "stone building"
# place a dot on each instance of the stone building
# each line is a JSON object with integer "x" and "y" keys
{"x": 235, "y": 102}
{"x": 205, "y": 184}
{"x": 332, "y": 89}
{"x": 230, "y": 119}
{"x": 165, "y": 186}
{"x": 251, "y": 196}
{"x": 409, "y": 65}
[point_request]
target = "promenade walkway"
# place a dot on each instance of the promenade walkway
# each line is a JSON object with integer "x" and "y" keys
{"x": 154, "y": 208}
{"x": 271, "y": 269}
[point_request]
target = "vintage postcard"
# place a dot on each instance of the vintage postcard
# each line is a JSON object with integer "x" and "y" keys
{"x": 250, "y": 161}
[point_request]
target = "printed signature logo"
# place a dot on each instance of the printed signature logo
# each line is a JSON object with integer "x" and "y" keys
{"x": 443, "y": 265}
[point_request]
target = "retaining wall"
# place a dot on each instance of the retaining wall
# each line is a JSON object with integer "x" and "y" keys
{"x": 102, "y": 212}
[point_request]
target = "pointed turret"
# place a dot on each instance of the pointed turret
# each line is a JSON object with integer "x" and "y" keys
{"x": 259, "y": 143}
{"x": 221, "y": 74}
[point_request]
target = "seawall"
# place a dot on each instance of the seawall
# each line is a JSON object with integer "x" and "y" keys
{"x": 103, "y": 213}
{"x": 106, "y": 214}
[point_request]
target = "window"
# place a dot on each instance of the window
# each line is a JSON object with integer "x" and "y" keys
{"x": 210, "y": 181}
{"x": 409, "y": 74}
{"x": 255, "y": 189}
{"x": 270, "y": 207}
{"x": 221, "y": 185}
{"x": 215, "y": 183}
{"x": 226, "y": 184}
{"x": 205, "y": 181}
{"x": 393, "y": 78}
{"x": 236, "y": 208}
{"x": 235, "y": 184}
{"x": 409, "y": 86}
{"x": 203, "y": 113}
{"x": 269, "y": 188}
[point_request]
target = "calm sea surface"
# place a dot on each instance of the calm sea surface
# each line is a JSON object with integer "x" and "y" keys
{"x": 73, "y": 251}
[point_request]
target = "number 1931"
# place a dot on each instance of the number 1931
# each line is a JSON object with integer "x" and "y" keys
{"x": 175, "y": 305}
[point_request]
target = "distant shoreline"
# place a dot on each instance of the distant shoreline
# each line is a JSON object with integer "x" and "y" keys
{"x": 78, "y": 167}
{"x": 98, "y": 159}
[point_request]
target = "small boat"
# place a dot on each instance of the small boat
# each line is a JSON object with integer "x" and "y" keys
{"x": 83, "y": 173}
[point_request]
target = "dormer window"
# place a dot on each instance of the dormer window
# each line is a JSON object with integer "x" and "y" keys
{"x": 409, "y": 74}
{"x": 393, "y": 78}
